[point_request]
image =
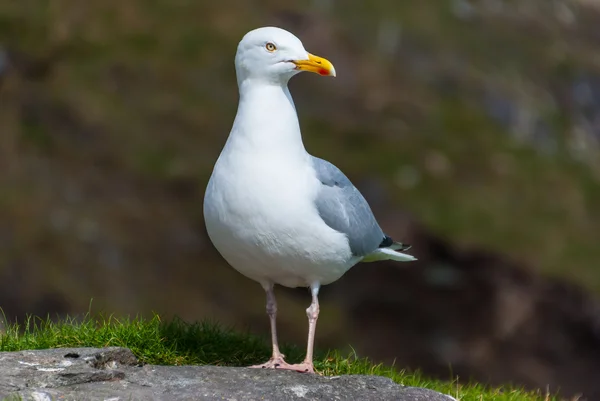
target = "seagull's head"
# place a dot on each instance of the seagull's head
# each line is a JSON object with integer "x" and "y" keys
{"x": 274, "y": 55}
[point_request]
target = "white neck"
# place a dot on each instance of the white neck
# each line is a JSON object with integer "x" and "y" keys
{"x": 266, "y": 121}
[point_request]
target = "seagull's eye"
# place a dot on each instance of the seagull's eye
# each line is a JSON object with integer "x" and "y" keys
{"x": 270, "y": 47}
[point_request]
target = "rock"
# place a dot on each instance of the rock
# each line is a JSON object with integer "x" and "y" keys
{"x": 115, "y": 374}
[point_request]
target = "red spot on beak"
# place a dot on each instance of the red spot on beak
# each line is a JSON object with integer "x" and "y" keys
{"x": 323, "y": 71}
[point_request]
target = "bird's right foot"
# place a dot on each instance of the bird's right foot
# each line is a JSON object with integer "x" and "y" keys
{"x": 273, "y": 363}
{"x": 279, "y": 363}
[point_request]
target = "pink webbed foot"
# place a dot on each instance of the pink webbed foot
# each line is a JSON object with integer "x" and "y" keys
{"x": 279, "y": 363}
{"x": 273, "y": 363}
{"x": 304, "y": 367}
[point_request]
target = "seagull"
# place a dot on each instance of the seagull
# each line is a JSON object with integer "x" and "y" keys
{"x": 275, "y": 213}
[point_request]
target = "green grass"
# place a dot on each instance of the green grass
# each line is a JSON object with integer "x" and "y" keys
{"x": 179, "y": 343}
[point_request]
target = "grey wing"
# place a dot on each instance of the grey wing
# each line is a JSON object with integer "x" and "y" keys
{"x": 344, "y": 209}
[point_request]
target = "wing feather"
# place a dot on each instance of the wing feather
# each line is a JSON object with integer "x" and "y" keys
{"x": 343, "y": 208}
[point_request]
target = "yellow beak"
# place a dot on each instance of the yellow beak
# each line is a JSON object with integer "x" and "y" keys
{"x": 316, "y": 64}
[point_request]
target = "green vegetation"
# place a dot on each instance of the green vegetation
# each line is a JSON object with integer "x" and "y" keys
{"x": 176, "y": 342}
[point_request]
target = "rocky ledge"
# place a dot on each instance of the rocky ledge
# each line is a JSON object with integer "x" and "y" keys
{"x": 115, "y": 374}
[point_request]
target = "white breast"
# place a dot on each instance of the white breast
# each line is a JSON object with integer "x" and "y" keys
{"x": 262, "y": 219}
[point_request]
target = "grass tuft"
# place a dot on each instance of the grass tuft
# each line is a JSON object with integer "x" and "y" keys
{"x": 177, "y": 342}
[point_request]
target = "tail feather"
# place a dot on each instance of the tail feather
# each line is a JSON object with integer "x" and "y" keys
{"x": 389, "y": 254}
{"x": 399, "y": 246}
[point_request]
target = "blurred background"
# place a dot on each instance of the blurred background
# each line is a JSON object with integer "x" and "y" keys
{"x": 472, "y": 127}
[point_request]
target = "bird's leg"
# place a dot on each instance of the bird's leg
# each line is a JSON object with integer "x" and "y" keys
{"x": 272, "y": 312}
{"x": 276, "y": 361}
{"x": 313, "y": 314}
